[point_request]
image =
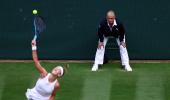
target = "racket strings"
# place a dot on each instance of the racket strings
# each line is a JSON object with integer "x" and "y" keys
{"x": 39, "y": 24}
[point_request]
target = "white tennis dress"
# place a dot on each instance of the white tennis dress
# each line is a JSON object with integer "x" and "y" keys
{"x": 42, "y": 90}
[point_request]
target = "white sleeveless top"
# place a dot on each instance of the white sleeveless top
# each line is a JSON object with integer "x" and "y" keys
{"x": 42, "y": 90}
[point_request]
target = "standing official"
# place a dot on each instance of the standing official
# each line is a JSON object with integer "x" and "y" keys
{"x": 111, "y": 27}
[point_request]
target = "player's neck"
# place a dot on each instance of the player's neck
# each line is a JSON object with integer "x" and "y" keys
{"x": 52, "y": 78}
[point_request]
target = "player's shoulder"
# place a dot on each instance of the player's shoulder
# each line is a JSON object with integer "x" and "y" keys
{"x": 103, "y": 21}
{"x": 118, "y": 21}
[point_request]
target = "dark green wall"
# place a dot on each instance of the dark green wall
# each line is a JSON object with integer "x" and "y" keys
{"x": 72, "y": 24}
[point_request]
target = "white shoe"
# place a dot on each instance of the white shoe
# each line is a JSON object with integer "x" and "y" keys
{"x": 95, "y": 67}
{"x": 128, "y": 68}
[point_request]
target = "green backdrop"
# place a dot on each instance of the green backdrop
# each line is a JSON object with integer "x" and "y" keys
{"x": 72, "y": 25}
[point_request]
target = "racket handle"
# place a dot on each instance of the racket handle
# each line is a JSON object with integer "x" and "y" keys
{"x": 35, "y": 37}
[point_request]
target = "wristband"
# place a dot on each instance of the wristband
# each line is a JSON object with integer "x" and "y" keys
{"x": 34, "y": 47}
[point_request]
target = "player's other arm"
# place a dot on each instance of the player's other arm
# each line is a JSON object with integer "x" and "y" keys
{"x": 122, "y": 35}
{"x": 101, "y": 37}
{"x": 37, "y": 64}
{"x": 56, "y": 88}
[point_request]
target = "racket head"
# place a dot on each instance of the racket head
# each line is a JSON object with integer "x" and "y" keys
{"x": 39, "y": 25}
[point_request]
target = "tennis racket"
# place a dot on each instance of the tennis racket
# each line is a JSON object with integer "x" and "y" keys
{"x": 39, "y": 26}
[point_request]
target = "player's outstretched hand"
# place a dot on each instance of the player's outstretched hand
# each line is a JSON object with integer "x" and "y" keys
{"x": 33, "y": 43}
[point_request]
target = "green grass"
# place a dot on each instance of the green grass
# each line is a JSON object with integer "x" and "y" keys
{"x": 148, "y": 81}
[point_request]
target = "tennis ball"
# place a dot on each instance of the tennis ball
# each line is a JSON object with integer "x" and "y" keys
{"x": 34, "y": 11}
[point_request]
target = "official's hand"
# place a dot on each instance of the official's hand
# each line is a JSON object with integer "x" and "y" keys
{"x": 100, "y": 45}
{"x": 33, "y": 43}
{"x": 123, "y": 44}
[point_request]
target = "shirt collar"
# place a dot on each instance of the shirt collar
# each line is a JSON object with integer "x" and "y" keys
{"x": 114, "y": 24}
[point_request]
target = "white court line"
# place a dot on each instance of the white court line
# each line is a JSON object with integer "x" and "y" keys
{"x": 97, "y": 88}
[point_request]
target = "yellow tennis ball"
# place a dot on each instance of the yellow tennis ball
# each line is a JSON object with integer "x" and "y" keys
{"x": 34, "y": 11}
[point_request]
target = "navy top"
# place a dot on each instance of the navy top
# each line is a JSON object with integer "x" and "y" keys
{"x": 117, "y": 30}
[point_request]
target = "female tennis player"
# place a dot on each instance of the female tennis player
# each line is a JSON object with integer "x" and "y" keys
{"x": 47, "y": 84}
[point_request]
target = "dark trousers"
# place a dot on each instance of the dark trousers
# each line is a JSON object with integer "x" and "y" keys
{"x": 105, "y": 58}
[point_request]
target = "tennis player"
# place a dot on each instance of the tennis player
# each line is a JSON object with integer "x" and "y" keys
{"x": 47, "y": 85}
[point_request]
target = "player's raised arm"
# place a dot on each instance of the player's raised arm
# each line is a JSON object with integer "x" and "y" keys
{"x": 38, "y": 66}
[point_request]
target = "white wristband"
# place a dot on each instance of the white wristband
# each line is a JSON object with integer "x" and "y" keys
{"x": 34, "y": 47}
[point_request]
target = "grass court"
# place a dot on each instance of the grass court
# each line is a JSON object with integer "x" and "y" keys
{"x": 147, "y": 81}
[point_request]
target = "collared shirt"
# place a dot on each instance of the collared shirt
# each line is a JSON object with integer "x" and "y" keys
{"x": 116, "y": 30}
{"x": 114, "y": 24}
